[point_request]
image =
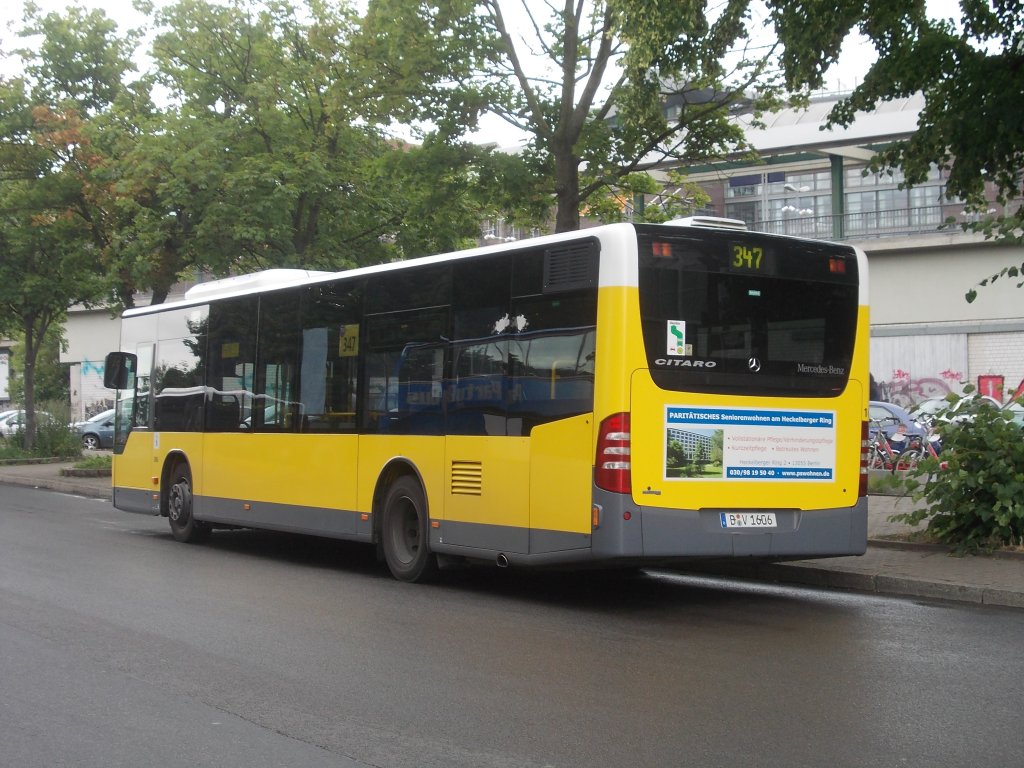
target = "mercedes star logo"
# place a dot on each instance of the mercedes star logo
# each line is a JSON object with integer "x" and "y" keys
{"x": 753, "y": 365}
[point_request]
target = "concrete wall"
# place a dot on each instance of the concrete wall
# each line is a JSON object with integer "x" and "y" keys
{"x": 923, "y": 279}
{"x": 927, "y": 340}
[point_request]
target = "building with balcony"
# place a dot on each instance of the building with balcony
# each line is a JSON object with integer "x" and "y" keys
{"x": 926, "y": 339}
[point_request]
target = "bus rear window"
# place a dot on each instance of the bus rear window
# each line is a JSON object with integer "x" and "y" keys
{"x": 738, "y": 313}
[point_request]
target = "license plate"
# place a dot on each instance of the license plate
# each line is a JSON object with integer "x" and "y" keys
{"x": 748, "y": 520}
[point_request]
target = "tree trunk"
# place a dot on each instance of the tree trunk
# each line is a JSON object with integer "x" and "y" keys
{"x": 567, "y": 190}
{"x": 31, "y": 350}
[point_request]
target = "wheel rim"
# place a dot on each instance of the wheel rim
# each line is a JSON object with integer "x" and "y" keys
{"x": 90, "y": 442}
{"x": 405, "y": 530}
{"x": 179, "y": 502}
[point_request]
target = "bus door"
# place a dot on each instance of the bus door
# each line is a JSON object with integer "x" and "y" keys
{"x": 134, "y": 439}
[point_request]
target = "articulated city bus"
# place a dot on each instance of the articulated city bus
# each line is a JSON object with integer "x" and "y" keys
{"x": 628, "y": 394}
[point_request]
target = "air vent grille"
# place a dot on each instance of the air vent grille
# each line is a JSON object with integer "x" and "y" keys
{"x": 570, "y": 268}
{"x": 467, "y": 478}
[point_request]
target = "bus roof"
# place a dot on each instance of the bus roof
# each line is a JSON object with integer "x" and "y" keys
{"x": 617, "y": 272}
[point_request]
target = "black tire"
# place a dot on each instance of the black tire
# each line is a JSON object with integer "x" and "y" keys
{"x": 184, "y": 527}
{"x": 405, "y": 532}
{"x": 90, "y": 442}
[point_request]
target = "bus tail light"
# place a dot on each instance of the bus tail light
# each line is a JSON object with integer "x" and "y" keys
{"x": 865, "y": 453}
{"x": 613, "y": 455}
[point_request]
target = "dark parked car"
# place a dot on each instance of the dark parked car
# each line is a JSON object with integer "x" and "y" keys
{"x": 97, "y": 432}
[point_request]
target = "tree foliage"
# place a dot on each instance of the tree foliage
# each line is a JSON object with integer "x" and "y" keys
{"x": 46, "y": 236}
{"x": 587, "y": 83}
{"x": 281, "y": 162}
{"x": 47, "y": 262}
{"x": 254, "y": 140}
{"x": 971, "y": 72}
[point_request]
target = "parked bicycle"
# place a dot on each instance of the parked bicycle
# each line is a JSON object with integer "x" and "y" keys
{"x": 896, "y": 453}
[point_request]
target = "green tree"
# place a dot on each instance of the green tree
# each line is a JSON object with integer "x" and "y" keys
{"x": 48, "y": 261}
{"x": 676, "y": 457}
{"x": 276, "y": 154}
{"x": 701, "y": 457}
{"x": 49, "y": 234}
{"x": 592, "y": 99}
{"x": 81, "y": 63}
{"x": 264, "y": 156}
{"x": 717, "y": 447}
{"x": 970, "y": 72}
{"x": 52, "y": 383}
{"x": 78, "y": 57}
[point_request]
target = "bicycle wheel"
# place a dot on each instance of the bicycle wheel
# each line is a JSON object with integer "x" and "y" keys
{"x": 907, "y": 460}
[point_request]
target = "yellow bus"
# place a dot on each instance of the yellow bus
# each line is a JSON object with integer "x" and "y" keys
{"x": 627, "y": 394}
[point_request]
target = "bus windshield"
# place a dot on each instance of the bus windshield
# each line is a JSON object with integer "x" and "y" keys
{"x": 736, "y": 313}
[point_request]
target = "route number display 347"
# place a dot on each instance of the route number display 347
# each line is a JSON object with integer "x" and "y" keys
{"x": 748, "y": 520}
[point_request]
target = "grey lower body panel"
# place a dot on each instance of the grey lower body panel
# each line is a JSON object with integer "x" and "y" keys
{"x": 629, "y": 533}
{"x": 628, "y": 530}
{"x": 518, "y": 546}
{"x": 137, "y": 500}
{"x": 316, "y": 521}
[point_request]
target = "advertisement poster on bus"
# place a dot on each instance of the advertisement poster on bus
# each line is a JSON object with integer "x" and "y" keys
{"x": 706, "y": 443}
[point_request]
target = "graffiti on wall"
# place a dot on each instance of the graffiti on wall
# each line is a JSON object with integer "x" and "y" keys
{"x": 88, "y": 395}
{"x": 91, "y": 368}
{"x": 904, "y": 390}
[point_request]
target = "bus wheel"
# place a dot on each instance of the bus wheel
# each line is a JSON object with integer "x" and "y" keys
{"x": 405, "y": 529}
{"x": 184, "y": 526}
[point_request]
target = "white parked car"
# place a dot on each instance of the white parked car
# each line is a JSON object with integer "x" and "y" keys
{"x": 14, "y": 421}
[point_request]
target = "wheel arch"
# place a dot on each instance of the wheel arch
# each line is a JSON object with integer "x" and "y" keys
{"x": 171, "y": 460}
{"x": 400, "y": 466}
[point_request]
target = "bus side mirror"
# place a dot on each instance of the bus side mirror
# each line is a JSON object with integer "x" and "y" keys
{"x": 119, "y": 370}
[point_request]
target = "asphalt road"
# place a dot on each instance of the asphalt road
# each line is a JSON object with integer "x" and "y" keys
{"x": 121, "y": 647}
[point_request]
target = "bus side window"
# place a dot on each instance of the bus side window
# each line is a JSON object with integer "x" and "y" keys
{"x": 276, "y": 407}
{"x": 552, "y": 358}
{"x": 330, "y": 341}
{"x": 138, "y": 415}
{"x": 232, "y": 365}
{"x": 404, "y": 371}
{"x": 477, "y": 391}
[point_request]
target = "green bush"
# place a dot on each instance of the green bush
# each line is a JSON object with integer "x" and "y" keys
{"x": 103, "y": 461}
{"x": 886, "y": 483}
{"x": 54, "y": 436}
{"x": 976, "y": 501}
{"x": 11, "y": 451}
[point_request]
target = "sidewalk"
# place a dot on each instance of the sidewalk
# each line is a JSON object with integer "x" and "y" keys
{"x": 889, "y": 567}
{"x": 49, "y": 476}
